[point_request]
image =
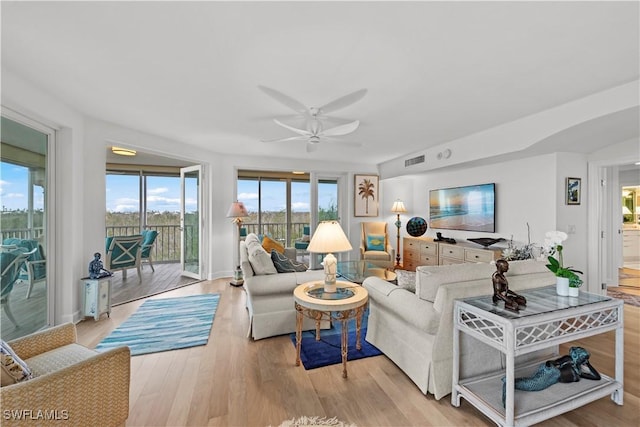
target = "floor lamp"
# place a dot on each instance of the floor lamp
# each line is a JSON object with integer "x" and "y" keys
{"x": 398, "y": 208}
{"x": 237, "y": 211}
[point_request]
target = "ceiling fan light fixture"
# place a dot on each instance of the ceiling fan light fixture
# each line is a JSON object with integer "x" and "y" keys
{"x": 123, "y": 151}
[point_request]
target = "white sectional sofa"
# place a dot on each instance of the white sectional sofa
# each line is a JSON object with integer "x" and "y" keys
{"x": 270, "y": 296}
{"x": 415, "y": 330}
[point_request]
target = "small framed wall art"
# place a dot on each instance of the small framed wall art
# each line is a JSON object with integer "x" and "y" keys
{"x": 366, "y": 195}
{"x": 573, "y": 191}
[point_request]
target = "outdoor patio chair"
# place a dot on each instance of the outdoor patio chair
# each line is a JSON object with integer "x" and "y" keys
{"x": 10, "y": 265}
{"x": 34, "y": 268}
{"x": 148, "y": 240}
{"x": 123, "y": 252}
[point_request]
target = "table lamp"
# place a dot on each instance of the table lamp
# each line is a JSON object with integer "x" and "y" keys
{"x": 329, "y": 238}
{"x": 237, "y": 211}
{"x": 398, "y": 208}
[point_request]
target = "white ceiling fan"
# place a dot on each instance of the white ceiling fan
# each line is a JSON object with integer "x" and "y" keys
{"x": 315, "y": 130}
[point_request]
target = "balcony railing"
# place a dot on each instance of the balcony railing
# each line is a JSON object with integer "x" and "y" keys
{"x": 167, "y": 244}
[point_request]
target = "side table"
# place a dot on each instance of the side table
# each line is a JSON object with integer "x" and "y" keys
{"x": 96, "y": 296}
{"x": 347, "y": 303}
{"x": 548, "y": 320}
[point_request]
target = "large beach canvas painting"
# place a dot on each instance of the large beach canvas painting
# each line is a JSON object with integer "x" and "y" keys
{"x": 470, "y": 208}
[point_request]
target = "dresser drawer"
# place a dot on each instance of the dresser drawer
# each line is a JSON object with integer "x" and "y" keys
{"x": 411, "y": 255}
{"x": 450, "y": 251}
{"x": 450, "y": 261}
{"x": 428, "y": 248}
{"x": 478, "y": 255}
{"x": 428, "y": 260}
{"x": 409, "y": 265}
{"x": 411, "y": 244}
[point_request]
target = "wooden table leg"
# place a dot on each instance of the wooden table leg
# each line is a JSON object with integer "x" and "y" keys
{"x": 298, "y": 335}
{"x": 345, "y": 346}
{"x": 359, "y": 328}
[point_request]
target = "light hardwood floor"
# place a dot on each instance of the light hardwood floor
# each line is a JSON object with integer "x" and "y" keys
{"x": 234, "y": 381}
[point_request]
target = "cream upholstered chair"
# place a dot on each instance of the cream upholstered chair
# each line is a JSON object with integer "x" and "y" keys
{"x": 84, "y": 387}
{"x": 374, "y": 245}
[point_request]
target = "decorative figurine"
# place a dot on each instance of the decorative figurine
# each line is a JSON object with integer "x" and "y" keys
{"x": 512, "y": 300}
{"x": 96, "y": 270}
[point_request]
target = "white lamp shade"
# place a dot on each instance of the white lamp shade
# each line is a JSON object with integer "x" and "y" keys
{"x": 398, "y": 207}
{"x": 328, "y": 238}
{"x": 237, "y": 210}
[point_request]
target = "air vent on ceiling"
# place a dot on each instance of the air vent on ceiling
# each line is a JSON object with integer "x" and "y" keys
{"x": 414, "y": 161}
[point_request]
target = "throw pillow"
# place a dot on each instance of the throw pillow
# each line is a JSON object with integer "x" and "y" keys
{"x": 406, "y": 280}
{"x": 260, "y": 260}
{"x": 269, "y": 244}
{"x": 375, "y": 242}
{"x": 284, "y": 264}
{"x": 14, "y": 369}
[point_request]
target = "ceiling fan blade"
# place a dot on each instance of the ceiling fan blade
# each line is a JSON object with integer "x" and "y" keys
{"x": 291, "y": 138}
{"x": 343, "y": 101}
{"x": 342, "y": 129}
{"x": 296, "y": 106}
{"x": 292, "y": 129}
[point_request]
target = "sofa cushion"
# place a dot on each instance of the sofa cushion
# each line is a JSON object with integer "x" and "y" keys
{"x": 59, "y": 358}
{"x": 284, "y": 264}
{"x": 429, "y": 278}
{"x": 528, "y": 266}
{"x": 375, "y": 242}
{"x": 14, "y": 369}
{"x": 259, "y": 259}
{"x": 269, "y": 244}
{"x": 406, "y": 280}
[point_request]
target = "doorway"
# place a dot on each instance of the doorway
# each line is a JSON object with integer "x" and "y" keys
{"x": 143, "y": 192}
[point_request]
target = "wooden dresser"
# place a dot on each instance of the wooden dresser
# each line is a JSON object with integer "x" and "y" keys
{"x": 418, "y": 251}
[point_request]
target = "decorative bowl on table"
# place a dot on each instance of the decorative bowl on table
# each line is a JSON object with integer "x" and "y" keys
{"x": 486, "y": 241}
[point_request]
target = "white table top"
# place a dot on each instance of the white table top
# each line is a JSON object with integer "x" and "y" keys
{"x": 360, "y": 297}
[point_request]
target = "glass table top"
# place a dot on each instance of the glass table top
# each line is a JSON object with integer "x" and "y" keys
{"x": 357, "y": 271}
{"x": 539, "y": 301}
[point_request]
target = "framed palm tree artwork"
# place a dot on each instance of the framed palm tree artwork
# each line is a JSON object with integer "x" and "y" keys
{"x": 366, "y": 195}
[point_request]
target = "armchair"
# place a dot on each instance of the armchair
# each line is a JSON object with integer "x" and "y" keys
{"x": 303, "y": 243}
{"x": 374, "y": 244}
{"x": 123, "y": 252}
{"x": 34, "y": 268}
{"x": 82, "y": 386}
{"x": 148, "y": 240}
{"x": 10, "y": 265}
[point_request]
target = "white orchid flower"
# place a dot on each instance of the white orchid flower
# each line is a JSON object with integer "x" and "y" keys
{"x": 556, "y": 237}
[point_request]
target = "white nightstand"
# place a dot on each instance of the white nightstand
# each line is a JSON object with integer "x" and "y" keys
{"x": 96, "y": 297}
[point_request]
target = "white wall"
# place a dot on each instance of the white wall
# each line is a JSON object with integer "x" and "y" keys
{"x": 526, "y": 192}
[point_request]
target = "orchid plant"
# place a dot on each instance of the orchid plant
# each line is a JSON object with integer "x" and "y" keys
{"x": 553, "y": 245}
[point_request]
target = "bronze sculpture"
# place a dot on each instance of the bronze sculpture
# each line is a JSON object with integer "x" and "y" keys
{"x": 501, "y": 291}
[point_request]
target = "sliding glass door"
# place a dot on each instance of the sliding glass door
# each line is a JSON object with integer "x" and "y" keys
{"x": 27, "y": 291}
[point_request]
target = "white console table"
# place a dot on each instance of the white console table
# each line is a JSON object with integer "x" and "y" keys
{"x": 548, "y": 320}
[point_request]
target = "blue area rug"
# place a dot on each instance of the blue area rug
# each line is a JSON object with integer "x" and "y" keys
{"x": 165, "y": 324}
{"x": 327, "y": 351}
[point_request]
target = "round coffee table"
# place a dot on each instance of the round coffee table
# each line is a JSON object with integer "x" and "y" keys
{"x": 347, "y": 303}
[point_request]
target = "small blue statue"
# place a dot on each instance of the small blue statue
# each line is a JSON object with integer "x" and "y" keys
{"x": 96, "y": 269}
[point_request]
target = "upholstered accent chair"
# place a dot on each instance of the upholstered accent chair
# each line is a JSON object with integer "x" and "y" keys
{"x": 82, "y": 385}
{"x": 374, "y": 245}
{"x": 10, "y": 265}
{"x": 148, "y": 240}
{"x": 123, "y": 252}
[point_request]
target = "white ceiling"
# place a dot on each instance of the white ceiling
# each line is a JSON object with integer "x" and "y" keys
{"x": 435, "y": 71}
